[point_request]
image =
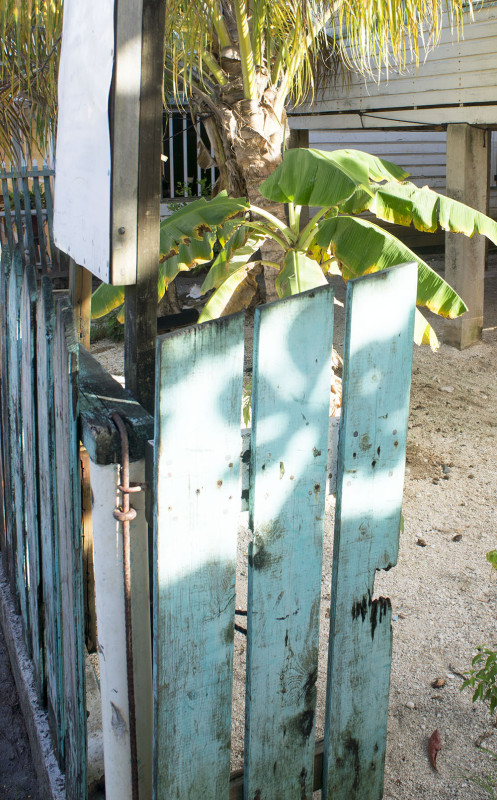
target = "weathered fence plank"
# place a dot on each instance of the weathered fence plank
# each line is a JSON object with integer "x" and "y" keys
{"x": 70, "y": 551}
{"x": 5, "y": 267}
{"x": 290, "y": 420}
{"x": 199, "y": 371}
{"x": 375, "y": 405}
{"x": 15, "y": 424}
{"x": 45, "y": 319}
{"x": 27, "y": 329}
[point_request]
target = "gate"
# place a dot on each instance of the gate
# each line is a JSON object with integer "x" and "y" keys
{"x": 199, "y": 376}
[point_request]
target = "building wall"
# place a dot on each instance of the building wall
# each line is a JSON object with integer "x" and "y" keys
{"x": 455, "y": 82}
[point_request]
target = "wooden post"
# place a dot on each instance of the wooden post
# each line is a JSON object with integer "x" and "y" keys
{"x": 141, "y": 299}
{"x": 468, "y": 169}
{"x": 80, "y": 293}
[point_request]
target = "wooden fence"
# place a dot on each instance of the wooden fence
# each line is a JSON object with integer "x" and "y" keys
{"x": 41, "y": 536}
{"x": 53, "y": 394}
{"x": 26, "y": 217}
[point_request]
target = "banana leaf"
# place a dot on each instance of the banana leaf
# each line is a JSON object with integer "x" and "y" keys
{"x": 318, "y": 178}
{"x": 195, "y": 220}
{"x": 298, "y": 274}
{"x": 237, "y": 251}
{"x": 423, "y": 332}
{"x": 362, "y": 247}
{"x": 222, "y": 301}
{"x": 105, "y": 299}
{"x": 406, "y": 203}
{"x": 190, "y": 254}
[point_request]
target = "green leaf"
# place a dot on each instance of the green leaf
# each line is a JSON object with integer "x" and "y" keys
{"x": 406, "y": 203}
{"x": 217, "y": 305}
{"x": 423, "y": 332}
{"x": 298, "y": 274}
{"x": 242, "y": 245}
{"x": 190, "y": 254}
{"x": 362, "y": 247}
{"x": 318, "y": 178}
{"x": 197, "y": 221}
{"x": 492, "y": 558}
{"x": 105, "y": 299}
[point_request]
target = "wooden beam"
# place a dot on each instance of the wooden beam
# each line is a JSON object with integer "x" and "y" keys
{"x": 80, "y": 281}
{"x": 141, "y": 299}
{"x": 468, "y": 173}
{"x": 99, "y": 396}
{"x": 397, "y": 118}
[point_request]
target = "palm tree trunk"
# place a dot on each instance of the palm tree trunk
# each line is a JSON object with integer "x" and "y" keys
{"x": 247, "y": 138}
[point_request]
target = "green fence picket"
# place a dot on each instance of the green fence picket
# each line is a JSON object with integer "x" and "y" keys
{"x": 27, "y": 330}
{"x": 65, "y": 364}
{"x": 371, "y": 459}
{"x": 289, "y": 448}
{"x": 197, "y": 455}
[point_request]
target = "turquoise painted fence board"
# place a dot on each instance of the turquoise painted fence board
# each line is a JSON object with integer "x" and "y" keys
{"x": 47, "y": 475}
{"x": 5, "y": 267}
{"x": 65, "y": 363}
{"x": 375, "y": 405}
{"x": 290, "y": 408}
{"x": 27, "y": 328}
{"x": 197, "y": 450}
{"x": 15, "y": 424}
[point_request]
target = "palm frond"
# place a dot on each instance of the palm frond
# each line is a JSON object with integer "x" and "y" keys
{"x": 290, "y": 38}
{"x": 30, "y": 35}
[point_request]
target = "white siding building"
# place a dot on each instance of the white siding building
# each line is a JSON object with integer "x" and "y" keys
{"x": 437, "y": 122}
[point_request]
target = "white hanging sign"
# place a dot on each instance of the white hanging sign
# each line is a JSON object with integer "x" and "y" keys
{"x": 96, "y": 159}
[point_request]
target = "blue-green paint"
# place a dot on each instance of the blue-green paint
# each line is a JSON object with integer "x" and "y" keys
{"x": 371, "y": 460}
{"x": 65, "y": 364}
{"x": 197, "y": 449}
{"x": 15, "y": 432}
{"x": 290, "y": 406}
{"x": 27, "y": 330}
{"x": 47, "y": 476}
{"x": 5, "y": 267}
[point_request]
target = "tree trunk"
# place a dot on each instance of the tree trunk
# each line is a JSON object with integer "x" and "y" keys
{"x": 247, "y": 138}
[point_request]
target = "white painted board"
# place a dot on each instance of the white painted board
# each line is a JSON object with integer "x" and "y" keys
{"x": 83, "y": 151}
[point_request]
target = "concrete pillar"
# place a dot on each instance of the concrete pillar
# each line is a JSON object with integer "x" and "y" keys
{"x": 468, "y": 169}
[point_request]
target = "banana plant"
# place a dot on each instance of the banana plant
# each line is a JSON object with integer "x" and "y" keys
{"x": 339, "y": 184}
